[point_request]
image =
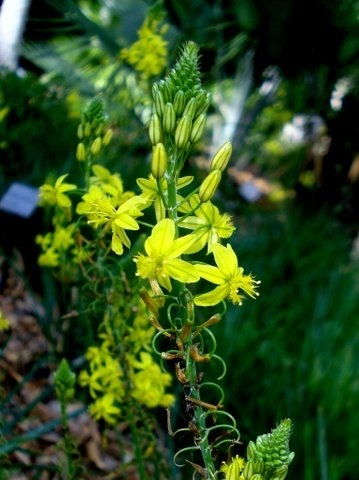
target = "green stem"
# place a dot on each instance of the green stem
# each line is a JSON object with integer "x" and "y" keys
{"x": 136, "y": 443}
{"x": 191, "y": 367}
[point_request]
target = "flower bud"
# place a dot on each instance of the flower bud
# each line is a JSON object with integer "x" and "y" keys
{"x": 80, "y": 152}
{"x": 155, "y": 129}
{"x": 80, "y": 131}
{"x": 190, "y": 108}
{"x": 96, "y": 146}
{"x": 209, "y": 185}
{"x": 179, "y": 102}
{"x": 159, "y": 161}
{"x": 87, "y": 130}
{"x": 203, "y": 101}
{"x": 107, "y": 137}
{"x": 251, "y": 450}
{"x": 221, "y": 158}
{"x": 198, "y": 128}
{"x": 158, "y": 100}
{"x": 183, "y": 131}
{"x": 169, "y": 118}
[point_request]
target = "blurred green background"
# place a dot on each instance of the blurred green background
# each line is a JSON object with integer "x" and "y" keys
{"x": 284, "y": 79}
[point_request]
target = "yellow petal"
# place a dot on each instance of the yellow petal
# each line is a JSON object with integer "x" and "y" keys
{"x": 225, "y": 259}
{"x": 181, "y": 271}
{"x": 210, "y": 273}
{"x": 161, "y": 238}
{"x": 213, "y": 297}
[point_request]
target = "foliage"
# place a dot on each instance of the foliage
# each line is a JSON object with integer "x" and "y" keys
{"x": 31, "y": 116}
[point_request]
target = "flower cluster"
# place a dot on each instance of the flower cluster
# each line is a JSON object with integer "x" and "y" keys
{"x": 148, "y": 55}
{"x": 109, "y": 374}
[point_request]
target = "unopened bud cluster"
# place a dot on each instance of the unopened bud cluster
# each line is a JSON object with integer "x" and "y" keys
{"x": 268, "y": 458}
{"x": 179, "y": 119}
{"x": 93, "y": 132}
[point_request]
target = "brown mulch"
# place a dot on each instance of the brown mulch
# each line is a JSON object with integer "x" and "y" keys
{"x": 28, "y": 403}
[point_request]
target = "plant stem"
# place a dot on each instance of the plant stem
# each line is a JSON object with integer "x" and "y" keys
{"x": 191, "y": 367}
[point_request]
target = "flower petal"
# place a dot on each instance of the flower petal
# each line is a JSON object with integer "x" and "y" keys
{"x": 210, "y": 273}
{"x": 225, "y": 259}
{"x": 181, "y": 271}
{"x": 213, "y": 297}
{"x": 161, "y": 238}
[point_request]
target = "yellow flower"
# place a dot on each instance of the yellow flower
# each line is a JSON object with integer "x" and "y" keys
{"x": 162, "y": 261}
{"x": 105, "y": 408}
{"x": 228, "y": 276}
{"x": 111, "y": 185}
{"x": 50, "y": 258}
{"x": 100, "y": 213}
{"x": 150, "y": 382}
{"x": 233, "y": 469}
{"x": 148, "y": 55}
{"x": 4, "y": 322}
{"x": 55, "y": 195}
{"x": 150, "y": 191}
{"x": 208, "y": 225}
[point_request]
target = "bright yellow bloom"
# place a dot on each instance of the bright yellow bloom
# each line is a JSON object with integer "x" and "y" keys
{"x": 50, "y": 258}
{"x": 111, "y": 185}
{"x": 228, "y": 276}
{"x": 163, "y": 250}
{"x": 148, "y": 55}
{"x": 4, "y": 322}
{"x": 150, "y": 191}
{"x": 208, "y": 225}
{"x": 55, "y": 195}
{"x": 100, "y": 213}
{"x": 233, "y": 469}
{"x": 105, "y": 408}
{"x": 150, "y": 382}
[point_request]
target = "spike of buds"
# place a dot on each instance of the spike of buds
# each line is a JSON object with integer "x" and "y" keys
{"x": 222, "y": 156}
{"x": 159, "y": 161}
{"x": 209, "y": 185}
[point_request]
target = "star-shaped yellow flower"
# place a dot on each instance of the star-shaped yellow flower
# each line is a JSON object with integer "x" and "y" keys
{"x": 56, "y": 195}
{"x": 163, "y": 250}
{"x": 228, "y": 276}
{"x": 208, "y": 225}
{"x": 100, "y": 213}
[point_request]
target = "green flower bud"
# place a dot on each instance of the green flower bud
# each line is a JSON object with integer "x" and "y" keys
{"x": 80, "y": 152}
{"x": 198, "y": 128}
{"x": 179, "y": 102}
{"x": 190, "y": 108}
{"x": 87, "y": 130}
{"x": 155, "y": 129}
{"x": 183, "y": 131}
{"x": 280, "y": 473}
{"x": 64, "y": 380}
{"x": 221, "y": 158}
{"x": 158, "y": 100}
{"x": 96, "y": 146}
{"x": 209, "y": 185}
{"x": 203, "y": 100}
{"x": 251, "y": 451}
{"x": 106, "y": 139}
{"x": 169, "y": 118}
{"x": 80, "y": 132}
{"x": 159, "y": 161}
